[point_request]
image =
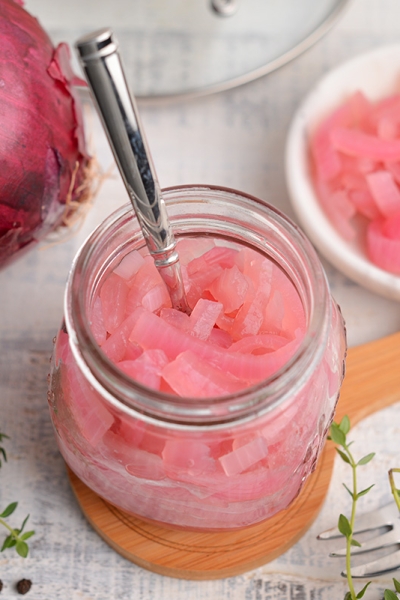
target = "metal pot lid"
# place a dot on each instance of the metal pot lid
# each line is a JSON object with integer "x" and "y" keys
{"x": 183, "y": 48}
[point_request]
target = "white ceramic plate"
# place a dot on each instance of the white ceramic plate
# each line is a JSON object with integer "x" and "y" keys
{"x": 377, "y": 74}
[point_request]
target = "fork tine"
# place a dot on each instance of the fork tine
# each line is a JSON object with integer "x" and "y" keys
{"x": 386, "y": 539}
{"x": 374, "y": 568}
{"x": 386, "y": 515}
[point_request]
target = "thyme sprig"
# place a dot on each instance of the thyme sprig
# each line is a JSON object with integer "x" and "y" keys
{"x": 338, "y": 434}
{"x": 395, "y": 491}
{"x": 16, "y": 537}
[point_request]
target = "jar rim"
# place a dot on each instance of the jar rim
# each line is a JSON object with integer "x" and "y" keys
{"x": 155, "y": 406}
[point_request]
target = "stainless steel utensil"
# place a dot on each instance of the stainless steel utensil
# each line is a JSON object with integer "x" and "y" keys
{"x": 385, "y": 518}
{"x": 101, "y": 63}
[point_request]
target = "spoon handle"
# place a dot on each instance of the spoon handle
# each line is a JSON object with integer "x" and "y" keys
{"x": 100, "y": 60}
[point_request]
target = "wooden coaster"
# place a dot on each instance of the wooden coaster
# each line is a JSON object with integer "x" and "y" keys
{"x": 372, "y": 382}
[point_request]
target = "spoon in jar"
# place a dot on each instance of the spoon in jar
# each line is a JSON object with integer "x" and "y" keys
{"x": 101, "y": 63}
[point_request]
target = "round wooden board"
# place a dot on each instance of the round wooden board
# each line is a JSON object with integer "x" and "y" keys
{"x": 197, "y": 555}
{"x": 372, "y": 382}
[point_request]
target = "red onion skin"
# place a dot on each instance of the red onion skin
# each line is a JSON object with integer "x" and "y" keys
{"x": 43, "y": 157}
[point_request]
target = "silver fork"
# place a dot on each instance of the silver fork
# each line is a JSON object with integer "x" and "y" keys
{"x": 386, "y": 518}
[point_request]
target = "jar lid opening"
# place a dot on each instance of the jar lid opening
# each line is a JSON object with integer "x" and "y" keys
{"x": 223, "y": 214}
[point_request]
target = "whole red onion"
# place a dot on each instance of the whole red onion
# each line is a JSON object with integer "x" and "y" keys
{"x": 44, "y": 165}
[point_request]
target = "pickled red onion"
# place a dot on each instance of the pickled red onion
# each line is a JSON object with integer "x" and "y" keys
{"x": 356, "y": 169}
{"x": 215, "y": 351}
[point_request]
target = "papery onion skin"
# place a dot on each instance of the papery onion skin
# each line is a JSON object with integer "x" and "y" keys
{"x": 43, "y": 158}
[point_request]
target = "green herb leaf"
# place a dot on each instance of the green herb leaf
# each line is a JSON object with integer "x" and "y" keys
{"x": 362, "y": 592}
{"x": 9, "y": 542}
{"x": 27, "y": 535}
{"x": 23, "y": 523}
{"x": 366, "y": 459}
{"x": 344, "y": 425}
{"x": 349, "y": 490}
{"x": 348, "y": 596}
{"x": 389, "y": 595}
{"x": 9, "y": 510}
{"x": 396, "y": 585}
{"x": 22, "y": 548}
{"x": 343, "y": 456}
{"x": 337, "y": 435}
{"x": 363, "y": 492}
{"x": 344, "y": 526}
{"x": 355, "y": 543}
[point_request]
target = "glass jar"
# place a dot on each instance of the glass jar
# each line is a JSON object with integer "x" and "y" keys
{"x": 162, "y": 457}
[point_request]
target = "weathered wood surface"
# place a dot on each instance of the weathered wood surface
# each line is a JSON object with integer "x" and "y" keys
{"x": 234, "y": 139}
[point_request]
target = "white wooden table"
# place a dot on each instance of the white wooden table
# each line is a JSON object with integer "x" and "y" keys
{"x": 234, "y": 139}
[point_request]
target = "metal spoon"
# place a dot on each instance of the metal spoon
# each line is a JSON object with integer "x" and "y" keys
{"x": 101, "y": 63}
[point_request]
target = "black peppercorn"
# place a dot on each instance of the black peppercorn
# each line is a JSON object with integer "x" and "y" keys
{"x": 23, "y": 586}
{"x": 1, "y": 585}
